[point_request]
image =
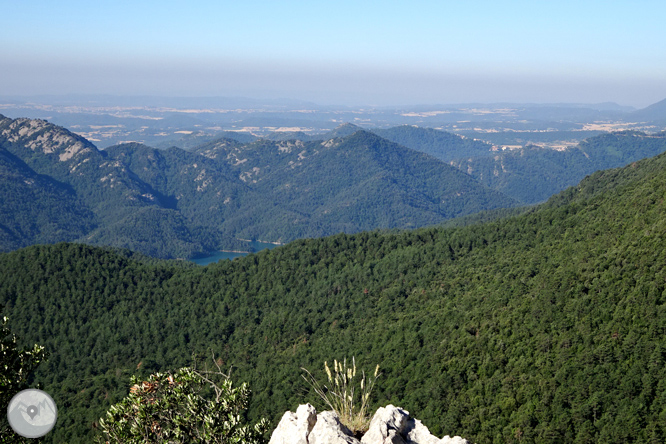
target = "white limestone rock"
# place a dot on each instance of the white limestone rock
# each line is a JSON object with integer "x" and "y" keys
{"x": 455, "y": 440}
{"x": 417, "y": 433}
{"x": 294, "y": 428}
{"x": 329, "y": 430}
{"x": 387, "y": 426}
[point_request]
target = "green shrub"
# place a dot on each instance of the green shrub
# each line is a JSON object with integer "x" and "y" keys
{"x": 186, "y": 406}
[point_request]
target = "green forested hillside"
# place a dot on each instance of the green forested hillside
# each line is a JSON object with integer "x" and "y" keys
{"x": 546, "y": 327}
{"x": 37, "y": 209}
{"x": 355, "y": 183}
{"x": 532, "y": 174}
{"x": 98, "y": 189}
{"x": 202, "y": 190}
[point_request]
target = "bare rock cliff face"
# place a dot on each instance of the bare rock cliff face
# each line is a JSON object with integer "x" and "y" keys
{"x": 390, "y": 425}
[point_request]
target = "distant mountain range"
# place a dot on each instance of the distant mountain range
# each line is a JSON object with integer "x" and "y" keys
{"x": 57, "y": 186}
{"x": 175, "y": 203}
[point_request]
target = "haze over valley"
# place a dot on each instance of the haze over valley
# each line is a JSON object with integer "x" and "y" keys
{"x": 185, "y": 122}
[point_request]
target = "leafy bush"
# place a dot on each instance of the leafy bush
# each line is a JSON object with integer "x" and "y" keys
{"x": 15, "y": 367}
{"x": 174, "y": 408}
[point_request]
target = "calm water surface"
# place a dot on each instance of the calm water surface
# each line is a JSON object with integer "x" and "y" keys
{"x": 222, "y": 255}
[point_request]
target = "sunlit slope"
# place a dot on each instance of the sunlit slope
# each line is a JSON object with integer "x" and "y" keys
{"x": 547, "y": 327}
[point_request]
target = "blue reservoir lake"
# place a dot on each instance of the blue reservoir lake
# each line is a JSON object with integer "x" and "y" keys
{"x": 222, "y": 255}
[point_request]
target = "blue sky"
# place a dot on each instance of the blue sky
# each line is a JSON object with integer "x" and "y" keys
{"x": 339, "y": 52}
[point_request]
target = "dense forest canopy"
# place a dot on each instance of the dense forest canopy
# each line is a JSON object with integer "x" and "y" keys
{"x": 544, "y": 327}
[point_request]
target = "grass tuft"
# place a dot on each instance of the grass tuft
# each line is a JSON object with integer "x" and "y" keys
{"x": 341, "y": 396}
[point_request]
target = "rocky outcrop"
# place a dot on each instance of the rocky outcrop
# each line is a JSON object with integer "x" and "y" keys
{"x": 390, "y": 425}
{"x": 387, "y": 426}
{"x": 329, "y": 430}
{"x": 294, "y": 428}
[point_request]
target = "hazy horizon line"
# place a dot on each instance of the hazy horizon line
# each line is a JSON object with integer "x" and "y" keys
{"x": 286, "y": 100}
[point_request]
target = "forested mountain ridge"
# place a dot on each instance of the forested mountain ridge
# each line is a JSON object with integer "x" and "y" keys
{"x": 175, "y": 203}
{"x": 546, "y": 327}
{"x": 98, "y": 180}
{"x": 200, "y": 188}
{"x": 282, "y": 190}
{"x": 353, "y": 183}
{"x": 532, "y": 174}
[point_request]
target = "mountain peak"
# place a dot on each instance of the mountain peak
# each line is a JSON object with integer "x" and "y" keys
{"x": 344, "y": 130}
{"x": 348, "y": 125}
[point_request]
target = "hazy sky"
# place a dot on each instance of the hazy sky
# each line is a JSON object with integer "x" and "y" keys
{"x": 339, "y": 52}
